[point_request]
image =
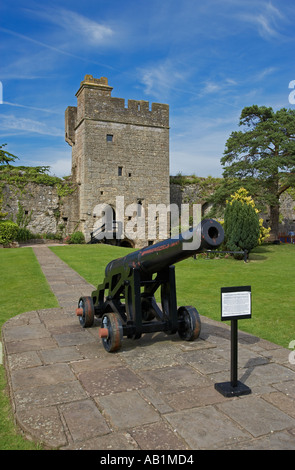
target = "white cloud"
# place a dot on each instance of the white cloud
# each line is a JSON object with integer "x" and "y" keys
{"x": 265, "y": 73}
{"x": 34, "y": 108}
{"x": 61, "y": 167}
{"x": 92, "y": 31}
{"x": 211, "y": 87}
{"x": 20, "y": 125}
{"x": 76, "y": 28}
{"x": 224, "y": 91}
{"x": 200, "y": 144}
{"x": 202, "y": 162}
{"x": 161, "y": 78}
{"x": 58, "y": 158}
{"x": 266, "y": 22}
{"x": 33, "y": 66}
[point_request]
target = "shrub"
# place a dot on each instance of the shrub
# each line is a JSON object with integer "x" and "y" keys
{"x": 8, "y": 231}
{"x": 75, "y": 238}
{"x": 51, "y": 236}
{"x": 241, "y": 225}
{"x": 264, "y": 232}
{"x": 48, "y": 236}
{"x": 24, "y": 234}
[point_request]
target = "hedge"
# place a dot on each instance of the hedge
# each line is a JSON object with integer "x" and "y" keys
{"x": 8, "y": 231}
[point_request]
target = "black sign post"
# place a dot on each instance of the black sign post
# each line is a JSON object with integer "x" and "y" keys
{"x": 235, "y": 305}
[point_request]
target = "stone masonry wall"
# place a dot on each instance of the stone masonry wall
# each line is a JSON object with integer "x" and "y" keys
{"x": 42, "y": 206}
{"x": 195, "y": 194}
{"x": 117, "y": 151}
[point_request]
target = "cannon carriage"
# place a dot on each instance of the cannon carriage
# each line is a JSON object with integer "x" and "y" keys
{"x": 126, "y": 302}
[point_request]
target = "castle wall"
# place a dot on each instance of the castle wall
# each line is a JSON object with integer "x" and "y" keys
{"x": 117, "y": 151}
{"x": 45, "y": 211}
{"x": 195, "y": 193}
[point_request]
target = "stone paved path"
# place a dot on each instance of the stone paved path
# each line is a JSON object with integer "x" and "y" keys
{"x": 156, "y": 393}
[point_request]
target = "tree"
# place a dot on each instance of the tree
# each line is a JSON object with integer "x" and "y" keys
{"x": 6, "y": 157}
{"x": 241, "y": 222}
{"x": 263, "y": 155}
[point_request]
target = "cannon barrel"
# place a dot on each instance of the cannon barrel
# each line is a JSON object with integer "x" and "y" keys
{"x": 126, "y": 300}
{"x": 151, "y": 259}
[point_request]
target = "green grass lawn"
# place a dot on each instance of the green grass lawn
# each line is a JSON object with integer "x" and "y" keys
{"x": 270, "y": 273}
{"x": 23, "y": 288}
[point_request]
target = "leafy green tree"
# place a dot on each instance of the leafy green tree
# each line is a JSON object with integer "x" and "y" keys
{"x": 241, "y": 222}
{"x": 263, "y": 156}
{"x": 6, "y": 157}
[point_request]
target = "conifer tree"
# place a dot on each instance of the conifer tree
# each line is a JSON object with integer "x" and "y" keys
{"x": 263, "y": 156}
{"x": 241, "y": 223}
{"x": 6, "y": 157}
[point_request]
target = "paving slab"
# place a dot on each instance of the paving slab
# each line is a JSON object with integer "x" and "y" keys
{"x": 41, "y": 376}
{"x": 156, "y": 393}
{"x": 127, "y": 410}
{"x": 43, "y": 424}
{"x": 84, "y": 420}
{"x": 47, "y": 395}
{"x": 108, "y": 381}
{"x": 206, "y": 428}
{"x": 157, "y": 436}
{"x": 267, "y": 416}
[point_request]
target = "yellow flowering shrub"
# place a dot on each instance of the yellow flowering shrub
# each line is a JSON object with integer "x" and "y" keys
{"x": 242, "y": 195}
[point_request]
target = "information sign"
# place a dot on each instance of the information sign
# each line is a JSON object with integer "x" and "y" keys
{"x": 235, "y": 302}
{"x": 235, "y": 305}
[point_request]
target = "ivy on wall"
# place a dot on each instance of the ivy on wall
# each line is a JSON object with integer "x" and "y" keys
{"x": 17, "y": 179}
{"x": 203, "y": 187}
{"x": 20, "y": 176}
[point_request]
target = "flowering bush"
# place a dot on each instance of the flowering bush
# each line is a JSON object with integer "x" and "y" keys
{"x": 241, "y": 223}
{"x": 75, "y": 238}
{"x": 264, "y": 232}
{"x": 242, "y": 196}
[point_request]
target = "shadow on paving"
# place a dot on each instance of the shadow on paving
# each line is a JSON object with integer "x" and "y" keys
{"x": 156, "y": 393}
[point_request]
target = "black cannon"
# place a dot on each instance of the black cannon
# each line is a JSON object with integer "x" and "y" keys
{"x": 126, "y": 302}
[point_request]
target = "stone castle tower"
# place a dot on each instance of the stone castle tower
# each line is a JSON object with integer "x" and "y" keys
{"x": 116, "y": 151}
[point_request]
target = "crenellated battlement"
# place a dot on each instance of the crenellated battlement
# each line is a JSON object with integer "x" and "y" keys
{"x": 95, "y": 102}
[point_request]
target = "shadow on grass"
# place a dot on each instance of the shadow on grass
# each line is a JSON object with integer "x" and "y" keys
{"x": 257, "y": 257}
{"x": 260, "y": 253}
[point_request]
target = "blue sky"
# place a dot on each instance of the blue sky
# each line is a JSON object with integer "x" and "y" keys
{"x": 206, "y": 59}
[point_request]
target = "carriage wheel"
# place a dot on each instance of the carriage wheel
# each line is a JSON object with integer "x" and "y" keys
{"x": 190, "y": 323}
{"x": 85, "y": 312}
{"x": 111, "y": 331}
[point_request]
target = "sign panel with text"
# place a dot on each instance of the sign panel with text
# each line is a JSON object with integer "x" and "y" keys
{"x": 235, "y": 303}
